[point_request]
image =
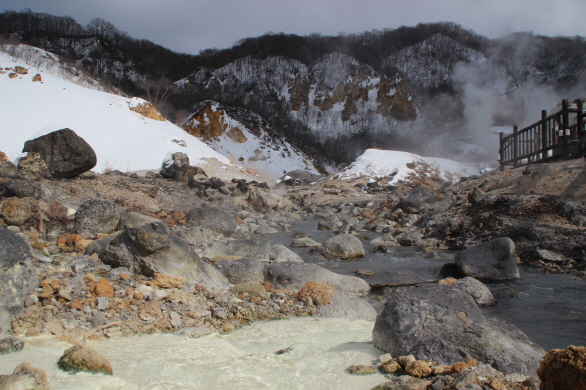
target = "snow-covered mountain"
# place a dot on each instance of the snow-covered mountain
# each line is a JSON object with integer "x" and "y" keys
{"x": 336, "y": 96}
{"x": 128, "y": 134}
{"x": 247, "y": 139}
{"x": 122, "y": 138}
{"x": 390, "y": 167}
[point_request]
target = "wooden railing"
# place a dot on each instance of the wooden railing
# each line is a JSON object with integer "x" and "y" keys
{"x": 559, "y": 136}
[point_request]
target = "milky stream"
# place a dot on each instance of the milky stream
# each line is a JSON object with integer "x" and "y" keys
{"x": 244, "y": 359}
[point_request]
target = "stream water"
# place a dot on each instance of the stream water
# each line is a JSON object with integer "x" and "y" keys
{"x": 548, "y": 308}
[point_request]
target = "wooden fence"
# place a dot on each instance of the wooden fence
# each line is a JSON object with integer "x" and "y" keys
{"x": 559, "y": 136}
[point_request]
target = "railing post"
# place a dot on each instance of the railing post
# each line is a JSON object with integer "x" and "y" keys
{"x": 580, "y": 117}
{"x": 501, "y": 151}
{"x": 565, "y": 127}
{"x": 515, "y": 146}
{"x": 544, "y": 143}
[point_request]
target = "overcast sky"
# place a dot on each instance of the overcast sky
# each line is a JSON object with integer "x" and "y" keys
{"x": 193, "y": 25}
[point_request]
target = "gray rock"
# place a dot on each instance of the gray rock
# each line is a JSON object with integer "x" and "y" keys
{"x": 8, "y": 170}
{"x": 386, "y": 239}
{"x": 343, "y": 246}
{"x": 18, "y": 277}
{"x": 213, "y": 218}
{"x": 305, "y": 242}
{"x": 296, "y": 275}
{"x": 67, "y": 155}
{"x": 547, "y": 255}
{"x": 477, "y": 290}
{"x": 25, "y": 377}
{"x": 344, "y": 306}
{"x": 170, "y": 167}
{"x": 147, "y": 246}
{"x": 258, "y": 248}
{"x": 444, "y": 324}
{"x": 24, "y": 189}
{"x": 329, "y": 225}
{"x": 426, "y": 200}
{"x": 197, "y": 236}
{"x": 10, "y": 344}
{"x": 280, "y": 254}
{"x": 97, "y": 216}
{"x": 242, "y": 270}
{"x": 410, "y": 238}
{"x": 492, "y": 260}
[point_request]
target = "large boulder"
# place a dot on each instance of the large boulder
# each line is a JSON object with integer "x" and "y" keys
{"x": 172, "y": 163}
{"x": 343, "y": 246}
{"x": 18, "y": 278}
{"x": 426, "y": 200}
{"x": 147, "y": 246}
{"x": 296, "y": 275}
{"x": 492, "y": 260}
{"x": 67, "y": 155}
{"x": 96, "y": 216}
{"x": 563, "y": 369}
{"x": 444, "y": 324}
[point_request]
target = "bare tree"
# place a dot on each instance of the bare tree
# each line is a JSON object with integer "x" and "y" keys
{"x": 157, "y": 91}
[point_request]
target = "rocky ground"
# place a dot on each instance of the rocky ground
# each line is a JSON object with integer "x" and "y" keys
{"x": 85, "y": 275}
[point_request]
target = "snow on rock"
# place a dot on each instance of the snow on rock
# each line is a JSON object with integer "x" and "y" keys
{"x": 246, "y": 138}
{"x": 403, "y": 167}
{"x": 122, "y": 139}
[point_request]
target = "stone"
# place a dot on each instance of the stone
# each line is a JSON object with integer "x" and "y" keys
{"x": 150, "y": 310}
{"x": 418, "y": 369}
{"x": 352, "y": 308}
{"x": 563, "y": 369}
{"x": 97, "y": 216}
{"x": 10, "y": 344}
{"x": 477, "y": 290}
{"x": 66, "y": 154}
{"x": 103, "y": 288}
{"x": 280, "y": 254}
{"x": 320, "y": 294}
{"x": 390, "y": 367}
{"x": 16, "y": 212}
{"x": 266, "y": 229}
{"x": 8, "y": 170}
{"x": 426, "y": 200}
{"x": 493, "y": 260}
{"x": 386, "y": 240}
{"x": 305, "y": 242}
{"x": 242, "y": 270}
{"x": 25, "y": 377}
{"x": 361, "y": 369}
{"x": 18, "y": 277}
{"x": 343, "y": 246}
{"x": 194, "y": 332}
{"x": 405, "y": 360}
{"x": 199, "y": 182}
{"x": 162, "y": 281}
{"x": 186, "y": 173}
{"x": 251, "y": 288}
{"x": 444, "y": 324}
{"x": 32, "y": 167}
{"x": 295, "y": 275}
{"x": 80, "y": 358}
{"x": 213, "y": 218}
{"x": 172, "y": 164}
{"x": 147, "y": 246}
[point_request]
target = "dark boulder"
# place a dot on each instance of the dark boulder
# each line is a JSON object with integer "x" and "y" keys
{"x": 492, "y": 260}
{"x": 444, "y": 324}
{"x": 172, "y": 164}
{"x": 67, "y": 155}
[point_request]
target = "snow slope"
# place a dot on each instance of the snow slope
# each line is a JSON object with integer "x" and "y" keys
{"x": 400, "y": 166}
{"x": 122, "y": 139}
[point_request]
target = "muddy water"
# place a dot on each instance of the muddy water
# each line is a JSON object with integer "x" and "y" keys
{"x": 550, "y": 309}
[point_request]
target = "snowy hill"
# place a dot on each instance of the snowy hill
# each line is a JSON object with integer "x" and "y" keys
{"x": 393, "y": 167}
{"x": 122, "y": 139}
{"x": 247, "y": 139}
